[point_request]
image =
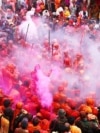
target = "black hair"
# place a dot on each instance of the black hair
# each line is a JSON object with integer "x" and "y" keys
{"x": 67, "y": 127}
{"x": 71, "y": 120}
{"x": 6, "y": 103}
{"x": 35, "y": 121}
{"x": 26, "y": 83}
{"x": 8, "y": 113}
{"x": 36, "y": 131}
{"x": 24, "y": 123}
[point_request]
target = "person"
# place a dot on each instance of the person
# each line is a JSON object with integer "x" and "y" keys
{"x": 73, "y": 9}
{"x": 94, "y": 123}
{"x": 93, "y": 10}
{"x": 23, "y": 126}
{"x": 83, "y": 123}
{"x": 44, "y": 124}
{"x": 73, "y": 128}
{"x": 78, "y": 62}
{"x": 57, "y": 3}
{"x": 36, "y": 123}
{"x": 51, "y": 6}
{"x": 56, "y": 53}
{"x": 30, "y": 124}
{"x": 84, "y": 13}
{"x": 67, "y": 60}
{"x": 57, "y": 125}
{"x": 67, "y": 128}
{"x": 0, "y": 3}
{"x": 19, "y": 114}
{"x": 10, "y": 76}
{"x": 36, "y": 131}
{"x": 66, "y": 12}
{"x": 5, "y": 120}
{"x": 60, "y": 96}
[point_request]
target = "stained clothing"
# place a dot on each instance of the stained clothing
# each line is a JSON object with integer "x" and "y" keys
{"x": 58, "y": 125}
{"x": 75, "y": 129}
{"x": 20, "y": 130}
{"x": 4, "y": 125}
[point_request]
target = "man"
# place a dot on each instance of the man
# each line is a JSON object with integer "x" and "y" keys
{"x": 73, "y": 127}
{"x": 58, "y": 124}
{"x": 23, "y": 127}
{"x": 0, "y": 3}
{"x": 5, "y": 119}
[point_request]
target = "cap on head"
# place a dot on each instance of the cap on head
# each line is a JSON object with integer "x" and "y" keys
{"x": 19, "y": 105}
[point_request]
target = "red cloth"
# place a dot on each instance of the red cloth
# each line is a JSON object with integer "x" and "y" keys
{"x": 46, "y": 114}
{"x": 98, "y": 2}
{"x": 55, "y": 106}
{"x": 75, "y": 113}
{"x": 44, "y": 124}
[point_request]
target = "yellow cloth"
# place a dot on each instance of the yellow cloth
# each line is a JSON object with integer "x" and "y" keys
{"x": 75, "y": 129}
{"x": 66, "y": 13}
{"x": 4, "y": 125}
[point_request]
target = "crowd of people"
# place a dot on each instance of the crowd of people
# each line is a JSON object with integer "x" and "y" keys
{"x": 33, "y": 96}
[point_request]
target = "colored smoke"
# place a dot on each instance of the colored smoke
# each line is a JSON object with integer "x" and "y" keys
{"x": 43, "y": 88}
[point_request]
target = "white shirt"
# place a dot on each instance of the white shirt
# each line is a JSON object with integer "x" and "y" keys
{"x": 0, "y": 3}
{"x": 82, "y": 13}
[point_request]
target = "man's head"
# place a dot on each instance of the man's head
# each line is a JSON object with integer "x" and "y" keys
{"x": 61, "y": 113}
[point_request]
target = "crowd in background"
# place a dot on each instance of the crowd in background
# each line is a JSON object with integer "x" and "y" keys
{"x": 58, "y": 12}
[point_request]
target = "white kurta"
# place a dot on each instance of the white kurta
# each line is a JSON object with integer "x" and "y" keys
{"x": 0, "y": 3}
